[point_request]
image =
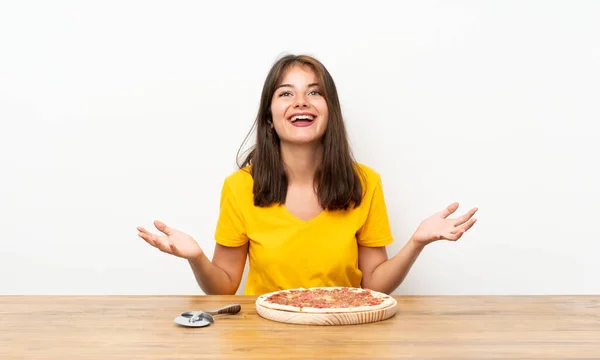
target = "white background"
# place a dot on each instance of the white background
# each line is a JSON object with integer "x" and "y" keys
{"x": 116, "y": 113}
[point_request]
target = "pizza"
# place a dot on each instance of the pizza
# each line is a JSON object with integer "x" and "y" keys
{"x": 325, "y": 300}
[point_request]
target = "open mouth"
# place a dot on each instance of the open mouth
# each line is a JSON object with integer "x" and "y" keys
{"x": 302, "y": 120}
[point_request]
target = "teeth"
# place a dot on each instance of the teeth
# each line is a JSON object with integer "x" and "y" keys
{"x": 302, "y": 117}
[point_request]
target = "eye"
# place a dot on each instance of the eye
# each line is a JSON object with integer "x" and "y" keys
{"x": 285, "y": 93}
{"x": 314, "y": 92}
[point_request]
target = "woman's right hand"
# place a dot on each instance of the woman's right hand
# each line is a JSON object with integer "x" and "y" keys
{"x": 174, "y": 242}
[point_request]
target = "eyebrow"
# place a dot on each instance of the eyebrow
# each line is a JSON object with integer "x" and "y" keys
{"x": 290, "y": 85}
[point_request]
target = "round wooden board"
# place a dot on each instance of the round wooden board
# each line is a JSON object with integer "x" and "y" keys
{"x": 347, "y": 318}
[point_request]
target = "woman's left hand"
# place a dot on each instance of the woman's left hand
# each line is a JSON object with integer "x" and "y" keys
{"x": 439, "y": 227}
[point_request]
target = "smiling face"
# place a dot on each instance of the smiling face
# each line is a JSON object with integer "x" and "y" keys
{"x": 298, "y": 107}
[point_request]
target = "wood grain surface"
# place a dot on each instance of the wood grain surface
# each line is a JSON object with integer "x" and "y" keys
{"x": 424, "y": 327}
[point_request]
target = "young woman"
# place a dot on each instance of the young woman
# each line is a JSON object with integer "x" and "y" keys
{"x": 300, "y": 208}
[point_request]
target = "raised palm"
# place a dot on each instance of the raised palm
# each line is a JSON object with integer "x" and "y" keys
{"x": 172, "y": 242}
{"x": 440, "y": 227}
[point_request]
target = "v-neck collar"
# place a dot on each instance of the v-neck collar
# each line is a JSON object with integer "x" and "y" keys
{"x": 298, "y": 220}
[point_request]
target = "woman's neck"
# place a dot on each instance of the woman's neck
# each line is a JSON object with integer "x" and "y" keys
{"x": 301, "y": 162}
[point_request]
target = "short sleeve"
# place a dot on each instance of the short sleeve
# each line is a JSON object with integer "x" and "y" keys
{"x": 376, "y": 229}
{"x": 231, "y": 229}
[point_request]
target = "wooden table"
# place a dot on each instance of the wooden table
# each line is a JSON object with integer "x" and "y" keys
{"x": 443, "y": 327}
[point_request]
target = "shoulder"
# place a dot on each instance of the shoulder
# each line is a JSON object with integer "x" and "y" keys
{"x": 368, "y": 172}
{"x": 241, "y": 177}
{"x": 372, "y": 184}
{"x": 239, "y": 184}
{"x": 368, "y": 175}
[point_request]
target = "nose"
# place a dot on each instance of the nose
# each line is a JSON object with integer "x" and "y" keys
{"x": 300, "y": 102}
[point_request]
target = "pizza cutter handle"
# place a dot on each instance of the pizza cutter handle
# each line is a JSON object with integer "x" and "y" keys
{"x": 228, "y": 309}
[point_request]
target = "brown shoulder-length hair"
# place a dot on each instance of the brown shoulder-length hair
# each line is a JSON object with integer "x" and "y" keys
{"x": 338, "y": 178}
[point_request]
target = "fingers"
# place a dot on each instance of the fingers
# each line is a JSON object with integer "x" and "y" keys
{"x": 449, "y": 210}
{"x": 453, "y": 237}
{"x": 163, "y": 228}
{"x": 463, "y": 219}
{"x": 468, "y": 225}
{"x": 146, "y": 236}
{"x": 159, "y": 242}
{"x": 459, "y": 231}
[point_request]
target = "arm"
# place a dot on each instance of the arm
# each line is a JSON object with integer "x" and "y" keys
{"x": 381, "y": 274}
{"x": 223, "y": 275}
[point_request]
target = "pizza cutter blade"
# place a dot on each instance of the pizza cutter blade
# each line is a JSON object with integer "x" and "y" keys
{"x": 185, "y": 321}
{"x": 194, "y": 316}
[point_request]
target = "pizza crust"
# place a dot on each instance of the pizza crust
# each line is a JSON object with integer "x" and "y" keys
{"x": 387, "y": 301}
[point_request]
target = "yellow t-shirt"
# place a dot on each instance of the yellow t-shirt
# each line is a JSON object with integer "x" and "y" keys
{"x": 286, "y": 252}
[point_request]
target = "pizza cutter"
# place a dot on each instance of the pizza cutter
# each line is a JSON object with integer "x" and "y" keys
{"x": 205, "y": 317}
